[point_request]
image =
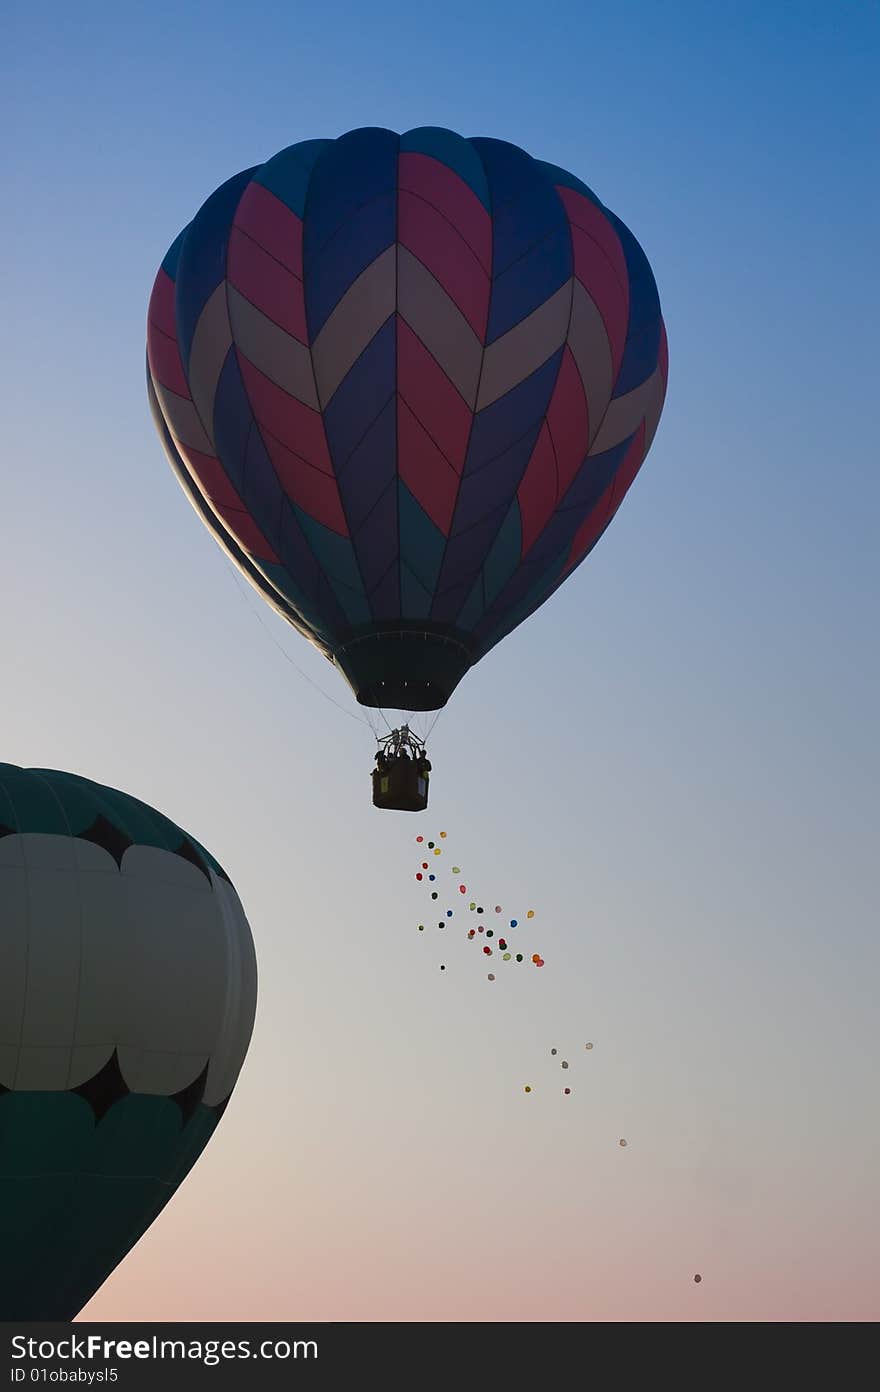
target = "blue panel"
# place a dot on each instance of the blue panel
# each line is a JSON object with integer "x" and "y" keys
{"x": 567, "y": 180}
{"x": 452, "y": 150}
{"x": 494, "y": 627}
{"x": 471, "y": 611}
{"x": 465, "y": 554}
{"x": 232, "y": 423}
{"x": 300, "y": 561}
{"x": 261, "y": 492}
{"x": 287, "y": 174}
{"x": 353, "y": 170}
{"x": 202, "y": 262}
{"x": 370, "y": 469}
{"x": 498, "y": 426}
{"x": 354, "y": 246}
{"x": 336, "y": 558}
{"x": 415, "y": 601}
{"x": 280, "y": 579}
{"x": 422, "y": 544}
{"x": 376, "y": 539}
{"x": 529, "y": 282}
{"x": 361, "y": 397}
{"x": 531, "y": 248}
{"x": 448, "y": 604}
{"x": 640, "y": 357}
{"x": 385, "y": 597}
{"x": 509, "y": 170}
{"x": 520, "y": 225}
{"x": 495, "y": 484}
{"x": 592, "y": 478}
{"x": 505, "y": 555}
{"x": 172, "y": 255}
{"x": 644, "y": 299}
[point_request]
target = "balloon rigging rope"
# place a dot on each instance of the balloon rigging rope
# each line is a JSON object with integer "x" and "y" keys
{"x": 327, "y": 697}
{"x": 361, "y": 719}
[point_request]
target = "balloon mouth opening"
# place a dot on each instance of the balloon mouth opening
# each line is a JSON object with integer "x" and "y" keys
{"x": 403, "y": 669}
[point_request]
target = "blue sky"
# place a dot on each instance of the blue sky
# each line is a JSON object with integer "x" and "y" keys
{"x": 676, "y": 758}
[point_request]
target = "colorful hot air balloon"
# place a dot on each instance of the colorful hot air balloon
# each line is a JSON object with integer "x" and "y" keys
{"x": 127, "y": 997}
{"x": 406, "y": 381}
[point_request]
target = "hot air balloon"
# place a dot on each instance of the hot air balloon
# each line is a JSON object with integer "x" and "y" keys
{"x": 127, "y": 997}
{"x": 406, "y": 380}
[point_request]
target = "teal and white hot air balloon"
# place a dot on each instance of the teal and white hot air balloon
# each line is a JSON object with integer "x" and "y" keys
{"x": 127, "y": 999}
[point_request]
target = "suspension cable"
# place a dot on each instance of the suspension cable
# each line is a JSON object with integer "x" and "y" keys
{"x": 284, "y": 653}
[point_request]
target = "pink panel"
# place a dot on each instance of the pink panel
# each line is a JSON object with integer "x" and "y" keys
{"x": 297, "y": 426}
{"x": 450, "y": 195}
{"x": 271, "y": 223}
{"x": 431, "y": 397}
{"x": 247, "y": 533}
{"x": 596, "y": 274}
{"x": 311, "y": 489}
{"x": 582, "y": 213}
{"x": 603, "y": 511}
{"x": 260, "y": 278}
{"x": 569, "y": 422}
{"x": 161, "y": 311}
{"x": 537, "y": 491}
{"x": 163, "y": 356}
{"x": 430, "y": 237}
{"x": 424, "y": 470}
{"x": 211, "y": 477}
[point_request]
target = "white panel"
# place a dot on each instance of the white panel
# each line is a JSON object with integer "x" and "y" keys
{"x": 86, "y": 1061}
{"x": 91, "y": 859}
{"x": 102, "y": 969}
{"x": 174, "y": 960}
{"x": 157, "y": 961}
{"x": 53, "y": 957}
{"x": 13, "y": 958}
{"x": 162, "y": 1074}
{"x": 151, "y": 864}
{"x": 45, "y": 852}
{"x": 42, "y": 1069}
{"x": 11, "y": 853}
{"x": 241, "y": 996}
{"x": 8, "y": 1064}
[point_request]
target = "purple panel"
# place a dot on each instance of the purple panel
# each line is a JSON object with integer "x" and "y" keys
{"x": 498, "y": 426}
{"x": 465, "y": 554}
{"x": 370, "y": 468}
{"x": 385, "y": 598}
{"x": 376, "y": 540}
{"x": 495, "y": 483}
{"x": 361, "y": 397}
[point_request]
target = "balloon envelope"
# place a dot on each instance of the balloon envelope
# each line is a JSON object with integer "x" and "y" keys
{"x": 127, "y": 998}
{"x": 406, "y": 381}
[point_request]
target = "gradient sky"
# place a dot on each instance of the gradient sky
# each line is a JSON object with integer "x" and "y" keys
{"x": 675, "y": 760}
